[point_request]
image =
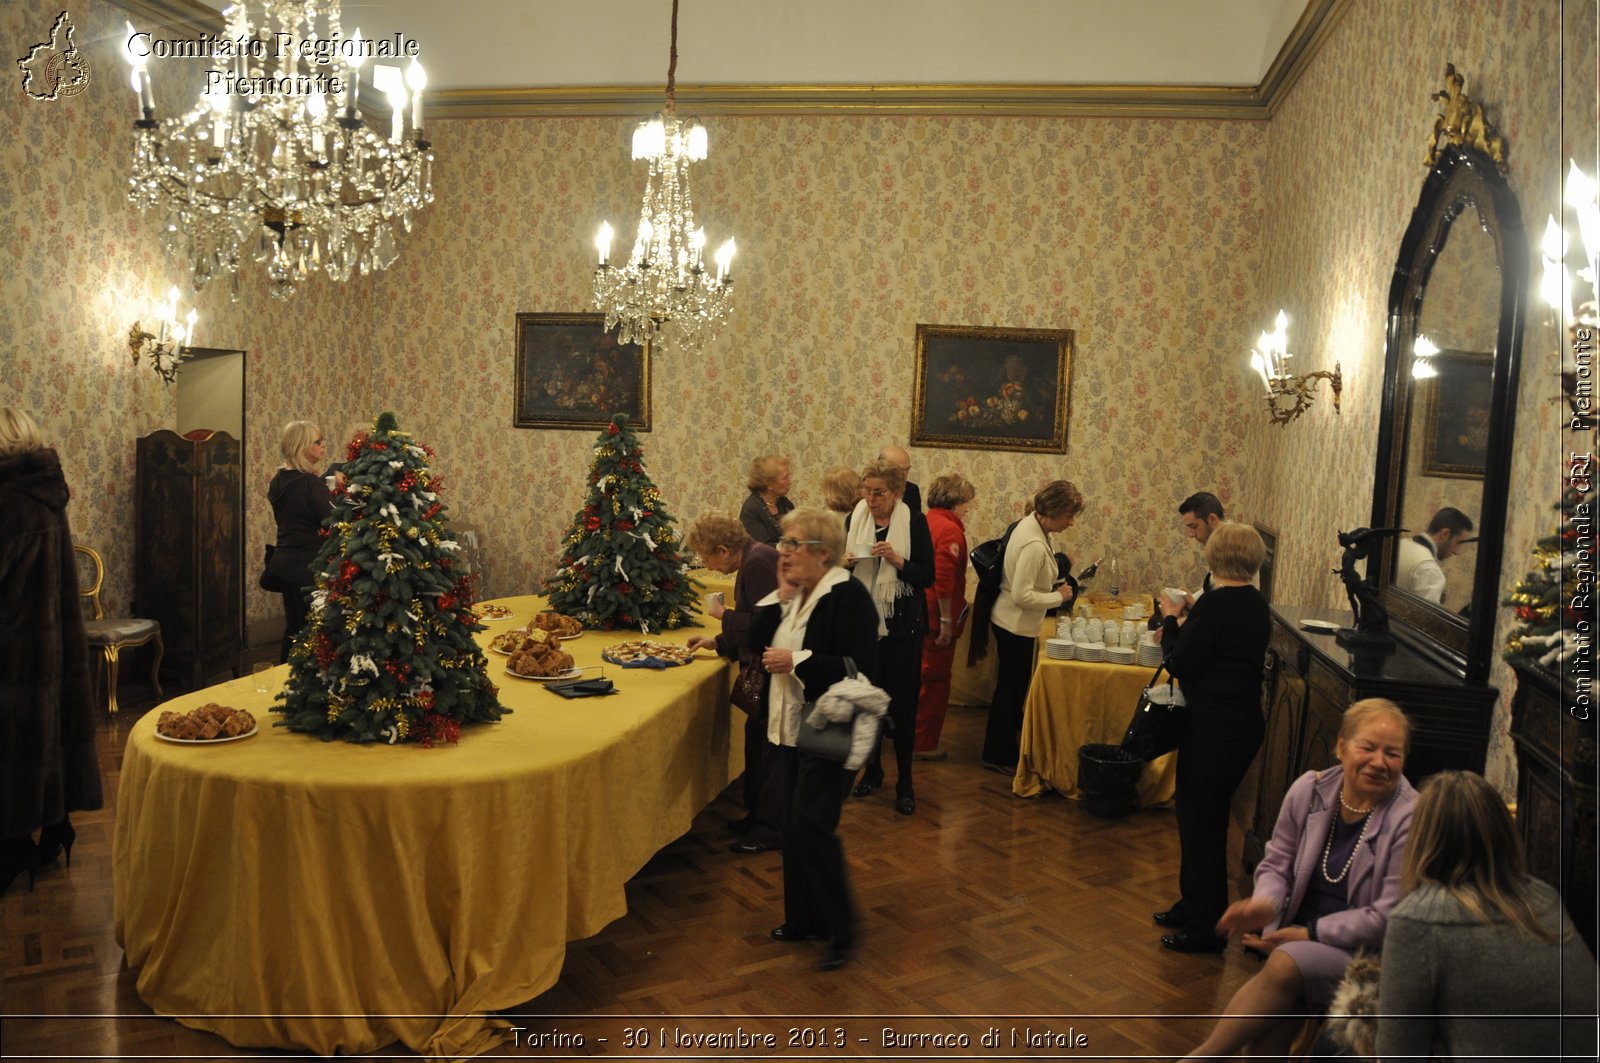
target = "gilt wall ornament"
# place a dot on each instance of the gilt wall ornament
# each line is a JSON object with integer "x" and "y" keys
{"x": 1462, "y": 123}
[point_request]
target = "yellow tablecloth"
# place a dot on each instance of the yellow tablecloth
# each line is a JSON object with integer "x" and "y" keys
{"x": 286, "y": 892}
{"x": 1076, "y": 703}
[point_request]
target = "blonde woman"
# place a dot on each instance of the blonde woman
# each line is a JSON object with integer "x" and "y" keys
{"x": 47, "y": 731}
{"x": 1480, "y": 959}
{"x": 300, "y": 503}
{"x": 841, "y": 489}
{"x": 769, "y": 483}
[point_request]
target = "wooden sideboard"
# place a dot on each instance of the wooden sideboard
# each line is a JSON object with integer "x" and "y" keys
{"x": 1556, "y": 774}
{"x": 1311, "y": 679}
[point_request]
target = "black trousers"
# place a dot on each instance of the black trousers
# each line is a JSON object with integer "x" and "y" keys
{"x": 295, "y": 610}
{"x": 900, "y": 676}
{"x": 1002, "y": 738}
{"x": 1213, "y": 758}
{"x": 763, "y": 783}
{"x": 816, "y": 886}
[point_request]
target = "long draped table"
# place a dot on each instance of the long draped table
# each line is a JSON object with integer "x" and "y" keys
{"x": 1077, "y": 703}
{"x": 282, "y": 891}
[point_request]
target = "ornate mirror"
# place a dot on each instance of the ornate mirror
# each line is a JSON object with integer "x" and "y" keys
{"x": 1449, "y": 394}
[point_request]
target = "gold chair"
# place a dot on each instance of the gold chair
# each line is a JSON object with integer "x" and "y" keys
{"x": 113, "y": 636}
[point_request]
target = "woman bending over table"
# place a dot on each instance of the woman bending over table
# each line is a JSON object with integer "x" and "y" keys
{"x": 1030, "y": 586}
{"x": 1217, "y": 653}
{"x": 806, "y": 629}
{"x": 724, "y": 546}
{"x": 1480, "y": 959}
{"x": 1325, "y": 887}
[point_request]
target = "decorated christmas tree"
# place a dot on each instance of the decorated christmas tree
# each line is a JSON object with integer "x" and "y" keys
{"x": 1554, "y": 601}
{"x": 620, "y": 565}
{"x": 387, "y": 653}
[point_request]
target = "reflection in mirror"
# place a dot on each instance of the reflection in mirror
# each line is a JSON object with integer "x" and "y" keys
{"x": 1447, "y": 420}
{"x": 1450, "y": 372}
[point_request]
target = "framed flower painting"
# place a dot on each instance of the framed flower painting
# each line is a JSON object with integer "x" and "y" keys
{"x": 992, "y": 388}
{"x": 572, "y": 373}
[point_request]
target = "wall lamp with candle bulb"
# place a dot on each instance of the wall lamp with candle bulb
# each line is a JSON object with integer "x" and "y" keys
{"x": 1288, "y": 396}
{"x": 171, "y": 344}
{"x": 1574, "y": 295}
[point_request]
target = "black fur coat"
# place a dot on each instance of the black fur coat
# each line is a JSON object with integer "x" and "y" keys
{"x": 47, "y": 722}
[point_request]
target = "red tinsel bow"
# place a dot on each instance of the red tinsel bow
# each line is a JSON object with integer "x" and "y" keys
{"x": 593, "y": 523}
{"x": 611, "y": 430}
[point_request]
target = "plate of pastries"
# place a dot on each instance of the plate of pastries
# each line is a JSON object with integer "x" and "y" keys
{"x": 492, "y": 612}
{"x": 522, "y": 638}
{"x": 209, "y": 724}
{"x": 543, "y": 660}
{"x": 646, "y": 653}
{"x": 566, "y": 627}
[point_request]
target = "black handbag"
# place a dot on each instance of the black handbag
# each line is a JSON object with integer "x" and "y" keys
{"x": 832, "y": 740}
{"x": 267, "y": 581}
{"x": 747, "y": 686}
{"x": 1158, "y": 721}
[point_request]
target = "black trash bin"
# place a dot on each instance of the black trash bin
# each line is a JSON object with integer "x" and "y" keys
{"x": 1108, "y": 777}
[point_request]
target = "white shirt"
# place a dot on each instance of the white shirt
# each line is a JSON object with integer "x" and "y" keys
{"x": 1027, "y": 579}
{"x": 786, "y": 695}
{"x": 1418, "y": 569}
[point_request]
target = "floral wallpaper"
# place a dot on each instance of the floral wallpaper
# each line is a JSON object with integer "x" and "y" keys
{"x": 1165, "y": 244}
{"x": 1345, "y": 167}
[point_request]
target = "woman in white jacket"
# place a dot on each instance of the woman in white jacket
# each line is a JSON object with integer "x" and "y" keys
{"x": 1029, "y": 587}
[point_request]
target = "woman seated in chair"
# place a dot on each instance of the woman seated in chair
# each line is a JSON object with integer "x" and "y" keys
{"x": 1325, "y": 888}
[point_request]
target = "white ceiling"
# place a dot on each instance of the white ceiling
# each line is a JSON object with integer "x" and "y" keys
{"x": 511, "y": 44}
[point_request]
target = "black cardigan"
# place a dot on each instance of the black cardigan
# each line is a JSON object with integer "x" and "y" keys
{"x": 1219, "y": 652}
{"x": 843, "y": 624}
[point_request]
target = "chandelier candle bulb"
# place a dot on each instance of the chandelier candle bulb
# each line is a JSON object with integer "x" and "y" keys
{"x": 397, "y": 120}
{"x": 417, "y": 78}
{"x": 354, "y": 61}
{"x": 602, "y": 243}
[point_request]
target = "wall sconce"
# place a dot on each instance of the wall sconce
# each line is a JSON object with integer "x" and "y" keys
{"x": 1422, "y": 367}
{"x": 168, "y": 348}
{"x": 1575, "y": 304}
{"x": 1288, "y": 396}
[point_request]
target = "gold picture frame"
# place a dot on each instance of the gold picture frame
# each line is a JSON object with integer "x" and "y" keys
{"x": 990, "y": 388}
{"x": 573, "y": 374}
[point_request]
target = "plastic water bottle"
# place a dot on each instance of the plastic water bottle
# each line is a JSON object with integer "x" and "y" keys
{"x": 1114, "y": 577}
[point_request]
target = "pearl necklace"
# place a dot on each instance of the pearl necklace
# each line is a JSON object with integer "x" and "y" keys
{"x": 1349, "y": 809}
{"x": 1327, "y": 847}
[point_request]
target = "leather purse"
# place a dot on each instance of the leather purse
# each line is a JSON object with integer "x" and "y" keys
{"x": 1158, "y": 720}
{"x": 832, "y": 740}
{"x": 747, "y": 687}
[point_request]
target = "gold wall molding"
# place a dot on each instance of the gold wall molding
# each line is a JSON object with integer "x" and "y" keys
{"x": 1042, "y": 100}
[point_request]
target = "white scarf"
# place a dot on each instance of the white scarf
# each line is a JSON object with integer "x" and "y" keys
{"x": 880, "y": 577}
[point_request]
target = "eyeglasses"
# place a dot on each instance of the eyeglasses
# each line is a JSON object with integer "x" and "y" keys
{"x": 318, "y": 443}
{"x": 878, "y": 492}
{"x": 789, "y": 546}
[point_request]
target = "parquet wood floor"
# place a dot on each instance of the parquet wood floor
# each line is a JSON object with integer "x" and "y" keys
{"x": 983, "y": 912}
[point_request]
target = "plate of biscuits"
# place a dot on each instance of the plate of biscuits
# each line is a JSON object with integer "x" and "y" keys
{"x": 208, "y": 725}
{"x": 491, "y": 613}
{"x": 565, "y": 627}
{"x": 647, "y": 653}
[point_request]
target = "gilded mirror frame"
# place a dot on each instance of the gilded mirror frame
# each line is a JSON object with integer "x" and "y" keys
{"x": 1464, "y": 187}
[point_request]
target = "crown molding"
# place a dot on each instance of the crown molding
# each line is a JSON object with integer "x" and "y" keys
{"x": 1256, "y": 103}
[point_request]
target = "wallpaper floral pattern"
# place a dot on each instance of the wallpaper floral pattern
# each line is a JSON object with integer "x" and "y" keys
{"x": 1345, "y": 167}
{"x": 1166, "y": 244}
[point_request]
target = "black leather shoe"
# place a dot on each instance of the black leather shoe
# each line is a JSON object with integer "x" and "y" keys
{"x": 871, "y": 779}
{"x": 1173, "y": 918}
{"x": 749, "y": 848}
{"x": 836, "y": 957}
{"x": 783, "y": 933}
{"x": 906, "y": 806}
{"x": 1193, "y": 941}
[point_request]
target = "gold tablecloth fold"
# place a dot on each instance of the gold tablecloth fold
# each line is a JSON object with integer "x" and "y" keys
{"x": 1078, "y": 703}
{"x": 285, "y": 892}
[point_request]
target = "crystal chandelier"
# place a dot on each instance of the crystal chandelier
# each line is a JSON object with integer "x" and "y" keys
{"x": 665, "y": 290}
{"x": 274, "y": 163}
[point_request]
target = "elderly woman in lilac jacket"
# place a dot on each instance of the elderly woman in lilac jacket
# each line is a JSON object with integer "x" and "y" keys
{"x": 1325, "y": 888}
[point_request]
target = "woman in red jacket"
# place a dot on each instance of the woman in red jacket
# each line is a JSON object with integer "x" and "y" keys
{"x": 949, "y": 498}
